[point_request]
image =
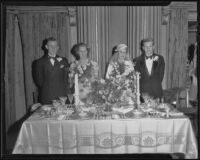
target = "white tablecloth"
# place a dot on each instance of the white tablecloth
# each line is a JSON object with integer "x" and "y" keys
{"x": 107, "y": 137}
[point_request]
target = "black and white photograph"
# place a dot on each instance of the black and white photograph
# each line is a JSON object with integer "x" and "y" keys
{"x": 100, "y": 79}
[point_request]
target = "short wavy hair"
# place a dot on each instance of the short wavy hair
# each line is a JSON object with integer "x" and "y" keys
{"x": 75, "y": 49}
{"x": 115, "y": 54}
{"x": 147, "y": 40}
{"x": 144, "y": 41}
{"x": 51, "y": 39}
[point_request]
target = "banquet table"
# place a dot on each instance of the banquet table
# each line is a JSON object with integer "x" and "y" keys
{"x": 107, "y": 136}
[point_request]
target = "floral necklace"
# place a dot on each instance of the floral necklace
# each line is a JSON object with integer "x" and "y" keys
{"x": 119, "y": 68}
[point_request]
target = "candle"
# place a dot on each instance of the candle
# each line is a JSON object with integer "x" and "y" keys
{"x": 187, "y": 99}
{"x": 138, "y": 88}
{"x": 76, "y": 90}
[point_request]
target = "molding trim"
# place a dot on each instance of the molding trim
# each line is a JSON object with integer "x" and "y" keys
{"x": 71, "y": 10}
{"x": 191, "y": 6}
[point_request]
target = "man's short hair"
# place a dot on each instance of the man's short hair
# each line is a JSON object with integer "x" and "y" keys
{"x": 51, "y": 39}
{"x": 147, "y": 40}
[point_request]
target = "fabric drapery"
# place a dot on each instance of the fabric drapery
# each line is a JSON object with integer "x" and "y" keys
{"x": 14, "y": 73}
{"x": 143, "y": 22}
{"x": 35, "y": 27}
{"x": 20, "y": 96}
{"x": 93, "y": 29}
{"x": 178, "y": 46}
{"x": 9, "y": 71}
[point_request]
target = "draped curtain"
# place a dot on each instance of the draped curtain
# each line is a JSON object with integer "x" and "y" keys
{"x": 93, "y": 29}
{"x": 14, "y": 75}
{"x": 143, "y": 22}
{"x": 34, "y": 27}
{"x": 178, "y": 45}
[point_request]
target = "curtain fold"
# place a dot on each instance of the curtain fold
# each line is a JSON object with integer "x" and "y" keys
{"x": 178, "y": 46}
{"x": 93, "y": 29}
{"x": 9, "y": 68}
{"x": 34, "y": 27}
{"x": 143, "y": 22}
{"x": 19, "y": 85}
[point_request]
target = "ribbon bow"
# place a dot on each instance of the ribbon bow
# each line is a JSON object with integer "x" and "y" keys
{"x": 149, "y": 57}
{"x": 54, "y": 58}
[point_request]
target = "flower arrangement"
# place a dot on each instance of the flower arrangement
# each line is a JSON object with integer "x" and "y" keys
{"x": 116, "y": 89}
{"x": 149, "y": 101}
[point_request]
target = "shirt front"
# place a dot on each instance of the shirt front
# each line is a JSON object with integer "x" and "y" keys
{"x": 149, "y": 63}
{"x": 52, "y": 59}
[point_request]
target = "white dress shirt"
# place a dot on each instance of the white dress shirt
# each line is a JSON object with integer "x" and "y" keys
{"x": 52, "y": 60}
{"x": 149, "y": 63}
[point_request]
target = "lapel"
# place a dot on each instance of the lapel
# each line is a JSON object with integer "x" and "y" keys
{"x": 155, "y": 64}
{"x": 144, "y": 67}
{"x": 47, "y": 62}
{"x": 49, "y": 65}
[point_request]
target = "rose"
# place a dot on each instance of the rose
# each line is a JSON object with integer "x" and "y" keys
{"x": 102, "y": 81}
{"x": 155, "y": 58}
{"x": 59, "y": 59}
{"x": 71, "y": 75}
{"x": 84, "y": 67}
{"x": 106, "y": 92}
{"x": 100, "y": 92}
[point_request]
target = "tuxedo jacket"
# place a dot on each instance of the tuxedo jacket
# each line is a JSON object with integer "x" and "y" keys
{"x": 151, "y": 83}
{"x": 52, "y": 80}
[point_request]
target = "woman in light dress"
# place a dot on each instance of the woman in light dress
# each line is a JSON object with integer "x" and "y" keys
{"x": 119, "y": 67}
{"x": 88, "y": 68}
{"x": 120, "y": 64}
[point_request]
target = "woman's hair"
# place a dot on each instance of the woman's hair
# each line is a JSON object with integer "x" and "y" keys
{"x": 75, "y": 49}
{"x": 116, "y": 50}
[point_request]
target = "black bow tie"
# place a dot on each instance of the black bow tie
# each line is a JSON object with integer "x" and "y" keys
{"x": 149, "y": 57}
{"x": 50, "y": 57}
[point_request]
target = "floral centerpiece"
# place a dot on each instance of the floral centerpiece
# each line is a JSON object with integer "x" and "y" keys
{"x": 118, "y": 89}
{"x": 84, "y": 71}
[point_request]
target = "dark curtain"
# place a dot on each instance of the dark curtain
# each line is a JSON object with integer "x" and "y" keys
{"x": 34, "y": 27}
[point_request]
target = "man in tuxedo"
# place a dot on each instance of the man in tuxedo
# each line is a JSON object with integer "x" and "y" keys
{"x": 51, "y": 74}
{"x": 151, "y": 66}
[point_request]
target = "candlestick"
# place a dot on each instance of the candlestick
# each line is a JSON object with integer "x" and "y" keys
{"x": 76, "y": 90}
{"x": 138, "y": 88}
{"x": 187, "y": 99}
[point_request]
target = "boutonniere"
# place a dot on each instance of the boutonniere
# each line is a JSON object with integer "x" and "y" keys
{"x": 59, "y": 59}
{"x": 61, "y": 66}
{"x": 155, "y": 58}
